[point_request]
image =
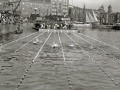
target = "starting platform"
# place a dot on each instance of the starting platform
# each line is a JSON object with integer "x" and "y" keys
{"x": 58, "y": 30}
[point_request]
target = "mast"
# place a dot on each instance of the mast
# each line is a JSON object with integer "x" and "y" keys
{"x": 84, "y": 14}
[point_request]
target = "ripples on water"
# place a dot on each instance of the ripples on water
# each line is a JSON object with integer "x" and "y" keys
{"x": 48, "y": 71}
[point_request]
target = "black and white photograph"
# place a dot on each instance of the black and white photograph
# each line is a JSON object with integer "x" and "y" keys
{"x": 59, "y": 44}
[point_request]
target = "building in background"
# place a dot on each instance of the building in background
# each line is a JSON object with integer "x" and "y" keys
{"x": 45, "y": 7}
{"x": 59, "y": 7}
{"x": 109, "y": 18}
{"x": 27, "y": 7}
{"x": 101, "y": 9}
{"x": 79, "y": 14}
{"x": 42, "y": 7}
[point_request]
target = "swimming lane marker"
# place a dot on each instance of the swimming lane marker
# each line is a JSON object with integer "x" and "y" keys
{"x": 48, "y": 31}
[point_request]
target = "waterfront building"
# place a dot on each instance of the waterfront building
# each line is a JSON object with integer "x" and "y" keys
{"x": 101, "y": 9}
{"x": 35, "y": 7}
{"x": 109, "y": 18}
{"x": 41, "y": 7}
{"x": 76, "y": 14}
{"x": 79, "y": 14}
{"x": 59, "y": 7}
{"x": 27, "y": 7}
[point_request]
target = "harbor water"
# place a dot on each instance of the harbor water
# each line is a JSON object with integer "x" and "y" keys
{"x": 88, "y": 59}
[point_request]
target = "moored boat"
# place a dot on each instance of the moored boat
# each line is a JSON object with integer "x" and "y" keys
{"x": 95, "y": 23}
{"x": 117, "y": 26}
{"x": 81, "y": 25}
{"x": 86, "y": 24}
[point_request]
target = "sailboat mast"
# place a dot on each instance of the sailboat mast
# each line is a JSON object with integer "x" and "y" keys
{"x": 84, "y": 14}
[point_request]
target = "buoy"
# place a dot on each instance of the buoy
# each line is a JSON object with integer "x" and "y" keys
{"x": 112, "y": 79}
{"x": 116, "y": 84}
{"x": 48, "y": 31}
{"x": 71, "y": 45}
{"x": 91, "y": 47}
{"x": 108, "y": 75}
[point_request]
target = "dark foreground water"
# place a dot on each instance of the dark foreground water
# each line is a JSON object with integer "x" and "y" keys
{"x": 85, "y": 67}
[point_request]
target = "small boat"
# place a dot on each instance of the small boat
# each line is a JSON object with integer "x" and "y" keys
{"x": 37, "y": 25}
{"x": 117, "y": 26}
{"x": 86, "y": 24}
{"x": 81, "y": 24}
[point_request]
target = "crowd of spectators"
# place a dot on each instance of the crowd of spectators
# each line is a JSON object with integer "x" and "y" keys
{"x": 53, "y": 25}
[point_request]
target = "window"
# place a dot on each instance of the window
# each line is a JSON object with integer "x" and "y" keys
{"x": 54, "y": 10}
{"x": 53, "y": 5}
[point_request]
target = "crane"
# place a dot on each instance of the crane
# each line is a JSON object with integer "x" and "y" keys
{"x": 16, "y": 6}
{"x": 16, "y": 20}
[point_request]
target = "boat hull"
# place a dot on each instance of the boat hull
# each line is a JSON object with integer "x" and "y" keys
{"x": 116, "y": 27}
{"x": 82, "y": 25}
{"x": 95, "y": 25}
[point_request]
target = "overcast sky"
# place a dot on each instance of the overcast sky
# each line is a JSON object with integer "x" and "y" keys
{"x": 95, "y": 4}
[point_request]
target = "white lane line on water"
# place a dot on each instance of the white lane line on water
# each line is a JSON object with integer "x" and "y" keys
{"x": 25, "y": 74}
{"x": 65, "y": 64}
{"x": 99, "y": 41}
{"x": 114, "y": 82}
{"x": 26, "y": 44}
{"x": 18, "y": 39}
{"x": 98, "y": 48}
